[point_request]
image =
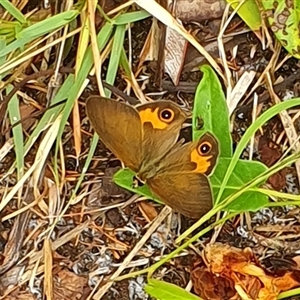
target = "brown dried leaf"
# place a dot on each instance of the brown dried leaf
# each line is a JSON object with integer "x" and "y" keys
{"x": 68, "y": 285}
{"x": 236, "y": 271}
{"x": 147, "y": 210}
{"x": 25, "y": 112}
{"x": 20, "y": 295}
{"x": 210, "y": 286}
{"x": 270, "y": 153}
{"x": 199, "y": 10}
{"x": 175, "y": 51}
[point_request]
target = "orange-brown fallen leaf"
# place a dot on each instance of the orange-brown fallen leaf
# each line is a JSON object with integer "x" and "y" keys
{"x": 147, "y": 210}
{"x": 68, "y": 285}
{"x": 226, "y": 272}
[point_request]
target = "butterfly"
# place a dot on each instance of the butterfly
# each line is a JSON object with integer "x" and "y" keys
{"x": 145, "y": 139}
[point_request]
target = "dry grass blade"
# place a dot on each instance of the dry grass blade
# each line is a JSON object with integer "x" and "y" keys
{"x": 240, "y": 90}
{"x": 66, "y": 230}
{"x": 77, "y": 129}
{"x": 97, "y": 58}
{"x": 164, "y": 213}
{"x": 48, "y": 282}
{"x": 287, "y": 123}
{"x": 43, "y": 152}
{"x": 166, "y": 18}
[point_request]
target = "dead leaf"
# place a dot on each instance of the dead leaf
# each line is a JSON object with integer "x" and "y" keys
{"x": 226, "y": 270}
{"x": 147, "y": 210}
{"x": 25, "y": 112}
{"x": 175, "y": 50}
{"x": 210, "y": 286}
{"x": 199, "y": 10}
{"x": 270, "y": 153}
{"x": 68, "y": 285}
{"x": 20, "y": 295}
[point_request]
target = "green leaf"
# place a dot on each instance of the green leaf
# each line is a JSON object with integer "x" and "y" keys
{"x": 249, "y": 12}
{"x": 124, "y": 178}
{"x": 210, "y": 107}
{"x": 243, "y": 173}
{"x": 115, "y": 55}
{"x": 15, "y": 116}
{"x": 8, "y": 6}
{"x": 131, "y": 17}
{"x": 167, "y": 291}
{"x": 262, "y": 119}
{"x": 284, "y": 17}
{"x": 38, "y": 29}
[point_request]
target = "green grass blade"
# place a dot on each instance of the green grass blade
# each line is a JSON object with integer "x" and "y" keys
{"x": 131, "y": 17}
{"x": 52, "y": 113}
{"x": 115, "y": 55}
{"x": 8, "y": 6}
{"x": 2, "y": 58}
{"x": 87, "y": 162}
{"x": 270, "y": 113}
{"x": 165, "y": 291}
{"x": 73, "y": 93}
{"x": 36, "y": 30}
{"x": 15, "y": 116}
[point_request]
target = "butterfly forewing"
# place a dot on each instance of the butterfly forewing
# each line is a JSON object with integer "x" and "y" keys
{"x": 119, "y": 128}
{"x": 162, "y": 122}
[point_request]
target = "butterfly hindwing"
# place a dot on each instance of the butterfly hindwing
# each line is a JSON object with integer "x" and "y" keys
{"x": 180, "y": 179}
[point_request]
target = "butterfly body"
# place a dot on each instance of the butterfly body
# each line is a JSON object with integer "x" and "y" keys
{"x": 145, "y": 139}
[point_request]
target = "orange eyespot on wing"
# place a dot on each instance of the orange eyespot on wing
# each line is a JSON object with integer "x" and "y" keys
{"x": 158, "y": 119}
{"x": 205, "y": 154}
{"x": 204, "y": 148}
{"x": 202, "y": 162}
{"x": 167, "y": 115}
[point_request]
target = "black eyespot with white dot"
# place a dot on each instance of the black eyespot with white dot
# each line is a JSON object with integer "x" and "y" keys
{"x": 205, "y": 148}
{"x": 167, "y": 115}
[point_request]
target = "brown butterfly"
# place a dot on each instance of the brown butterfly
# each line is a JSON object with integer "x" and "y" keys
{"x": 145, "y": 139}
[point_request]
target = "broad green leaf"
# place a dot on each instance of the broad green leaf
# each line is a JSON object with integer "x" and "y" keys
{"x": 210, "y": 108}
{"x": 266, "y": 116}
{"x": 249, "y": 12}
{"x": 166, "y": 291}
{"x": 284, "y": 17}
{"x": 124, "y": 178}
{"x": 243, "y": 173}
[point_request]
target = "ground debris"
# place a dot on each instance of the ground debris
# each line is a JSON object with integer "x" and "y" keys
{"x": 226, "y": 272}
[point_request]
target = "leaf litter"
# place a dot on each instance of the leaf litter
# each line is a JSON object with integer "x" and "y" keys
{"x": 46, "y": 251}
